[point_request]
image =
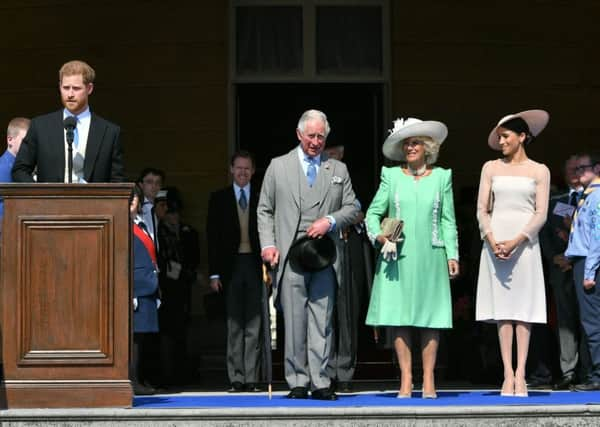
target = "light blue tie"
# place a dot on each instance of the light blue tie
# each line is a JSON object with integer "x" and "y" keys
{"x": 311, "y": 171}
{"x": 76, "y": 134}
{"x": 78, "y": 157}
{"x": 243, "y": 202}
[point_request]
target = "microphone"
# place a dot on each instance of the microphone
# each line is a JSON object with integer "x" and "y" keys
{"x": 70, "y": 124}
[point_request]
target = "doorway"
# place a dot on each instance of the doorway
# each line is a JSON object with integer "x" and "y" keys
{"x": 266, "y": 116}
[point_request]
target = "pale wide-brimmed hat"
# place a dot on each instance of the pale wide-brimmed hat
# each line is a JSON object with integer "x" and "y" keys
{"x": 535, "y": 119}
{"x": 392, "y": 147}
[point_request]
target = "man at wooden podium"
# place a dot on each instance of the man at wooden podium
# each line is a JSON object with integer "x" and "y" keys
{"x": 96, "y": 147}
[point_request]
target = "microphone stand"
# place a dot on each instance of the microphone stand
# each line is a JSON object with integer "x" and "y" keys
{"x": 70, "y": 137}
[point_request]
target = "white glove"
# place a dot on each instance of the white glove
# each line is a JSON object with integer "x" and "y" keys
{"x": 135, "y": 304}
{"x": 389, "y": 251}
{"x": 158, "y": 303}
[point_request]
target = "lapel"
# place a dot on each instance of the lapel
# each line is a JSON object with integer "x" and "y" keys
{"x": 295, "y": 172}
{"x": 93, "y": 146}
{"x": 231, "y": 206}
{"x": 58, "y": 132}
{"x": 558, "y": 221}
{"x": 253, "y": 205}
{"x": 324, "y": 177}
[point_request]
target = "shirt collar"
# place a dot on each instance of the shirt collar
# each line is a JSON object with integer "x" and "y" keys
{"x": 237, "y": 189}
{"x": 575, "y": 190}
{"x": 83, "y": 115}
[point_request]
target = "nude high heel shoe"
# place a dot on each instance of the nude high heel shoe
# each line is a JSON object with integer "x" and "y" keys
{"x": 508, "y": 387}
{"x": 402, "y": 395}
{"x": 521, "y": 387}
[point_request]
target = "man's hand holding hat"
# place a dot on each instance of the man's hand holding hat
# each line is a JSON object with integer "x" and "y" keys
{"x": 319, "y": 228}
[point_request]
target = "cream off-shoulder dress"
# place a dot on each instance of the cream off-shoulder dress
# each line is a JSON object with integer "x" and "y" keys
{"x": 513, "y": 199}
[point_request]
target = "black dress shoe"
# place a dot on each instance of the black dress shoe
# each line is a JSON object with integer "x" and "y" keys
{"x": 298, "y": 393}
{"x": 253, "y": 388}
{"x": 324, "y": 394}
{"x": 143, "y": 390}
{"x": 539, "y": 384}
{"x": 565, "y": 383}
{"x": 591, "y": 386}
{"x": 236, "y": 387}
{"x": 344, "y": 387}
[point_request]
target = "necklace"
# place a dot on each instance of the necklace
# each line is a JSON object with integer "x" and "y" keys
{"x": 417, "y": 172}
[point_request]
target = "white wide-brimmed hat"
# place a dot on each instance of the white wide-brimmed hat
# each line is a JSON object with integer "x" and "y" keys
{"x": 392, "y": 147}
{"x": 535, "y": 119}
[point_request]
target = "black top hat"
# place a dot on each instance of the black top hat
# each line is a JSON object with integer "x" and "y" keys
{"x": 312, "y": 255}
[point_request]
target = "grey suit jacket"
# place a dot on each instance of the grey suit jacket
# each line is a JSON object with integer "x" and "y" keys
{"x": 279, "y": 204}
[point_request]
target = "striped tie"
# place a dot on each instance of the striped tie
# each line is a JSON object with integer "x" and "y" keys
{"x": 594, "y": 185}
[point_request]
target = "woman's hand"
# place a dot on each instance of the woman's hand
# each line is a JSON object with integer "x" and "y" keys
{"x": 493, "y": 245}
{"x": 507, "y": 247}
{"x": 389, "y": 251}
{"x": 381, "y": 239}
{"x": 453, "y": 268}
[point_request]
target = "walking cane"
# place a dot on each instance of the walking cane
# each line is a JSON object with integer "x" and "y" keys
{"x": 266, "y": 322}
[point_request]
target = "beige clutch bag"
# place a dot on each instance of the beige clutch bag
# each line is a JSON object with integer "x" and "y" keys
{"x": 391, "y": 228}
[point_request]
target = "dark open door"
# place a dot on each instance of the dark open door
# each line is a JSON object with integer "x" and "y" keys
{"x": 267, "y": 116}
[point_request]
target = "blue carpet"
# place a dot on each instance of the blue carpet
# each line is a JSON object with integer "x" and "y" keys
{"x": 445, "y": 398}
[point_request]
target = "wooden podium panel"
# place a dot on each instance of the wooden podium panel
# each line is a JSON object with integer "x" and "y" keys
{"x": 65, "y": 284}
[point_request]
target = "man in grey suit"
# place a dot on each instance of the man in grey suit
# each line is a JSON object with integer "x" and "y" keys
{"x": 305, "y": 194}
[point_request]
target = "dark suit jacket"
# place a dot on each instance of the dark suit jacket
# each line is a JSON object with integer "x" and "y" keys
{"x": 44, "y": 147}
{"x": 223, "y": 231}
{"x": 550, "y": 241}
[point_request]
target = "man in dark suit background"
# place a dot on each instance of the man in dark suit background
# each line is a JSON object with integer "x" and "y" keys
{"x": 357, "y": 277}
{"x": 97, "y": 151}
{"x": 234, "y": 264}
{"x": 554, "y": 236}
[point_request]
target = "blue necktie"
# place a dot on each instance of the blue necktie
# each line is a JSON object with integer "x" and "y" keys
{"x": 243, "y": 202}
{"x": 311, "y": 171}
{"x": 77, "y": 157}
{"x": 76, "y": 134}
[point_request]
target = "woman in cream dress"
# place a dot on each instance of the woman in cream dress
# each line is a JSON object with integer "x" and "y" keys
{"x": 511, "y": 209}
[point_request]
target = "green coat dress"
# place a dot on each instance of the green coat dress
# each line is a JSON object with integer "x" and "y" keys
{"x": 414, "y": 290}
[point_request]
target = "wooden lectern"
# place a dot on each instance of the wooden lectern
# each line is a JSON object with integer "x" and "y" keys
{"x": 65, "y": 293}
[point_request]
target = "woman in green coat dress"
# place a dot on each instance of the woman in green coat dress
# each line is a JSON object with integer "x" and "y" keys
{"x": 411, "y": 288}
